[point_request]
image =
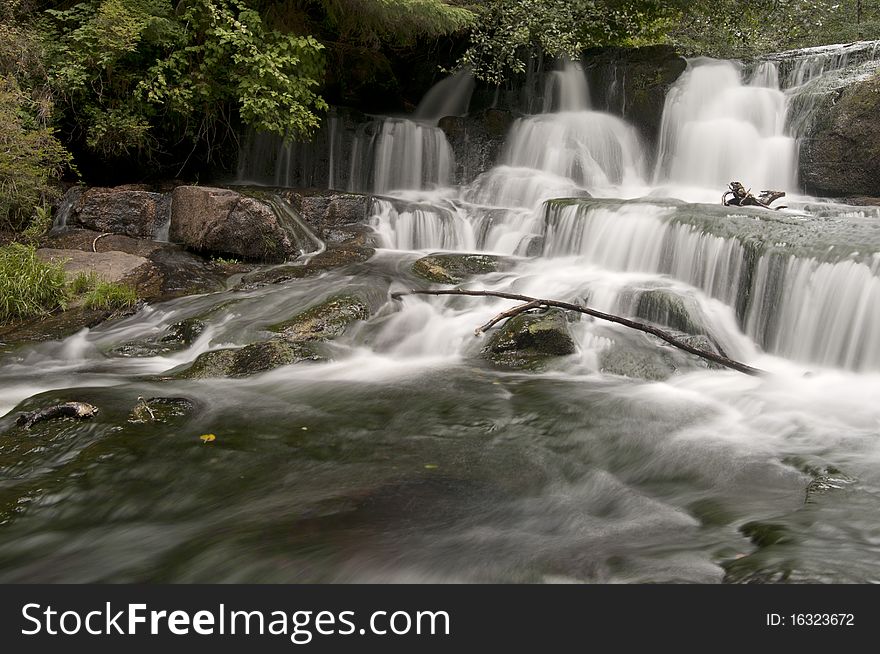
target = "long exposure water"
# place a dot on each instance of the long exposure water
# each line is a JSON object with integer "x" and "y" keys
{"x": 407, "y": 457}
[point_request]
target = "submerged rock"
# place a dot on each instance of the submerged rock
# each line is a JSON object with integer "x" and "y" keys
{"x": 455, "y": 268}
{"x": 530, "y": 340}
{"x": 324, "y": 321}
{"x": 179, "y": 336}
{"x": 249, "y": 360}
{"x": 160, "y": 409}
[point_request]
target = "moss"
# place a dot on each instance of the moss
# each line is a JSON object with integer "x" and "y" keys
{"x": 249, "y": 360}
{"x": 455, "y": 268}
{"x": 529, "y": 341}
{"x": 324, "y": 321}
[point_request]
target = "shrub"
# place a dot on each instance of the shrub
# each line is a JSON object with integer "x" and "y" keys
{"x": 28, "y": 286}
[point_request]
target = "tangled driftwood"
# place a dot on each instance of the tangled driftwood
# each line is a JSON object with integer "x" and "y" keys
{"x": 736, "y": 195}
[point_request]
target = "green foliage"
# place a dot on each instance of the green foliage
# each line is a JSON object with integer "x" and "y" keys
{"x": 508, "y": 32}
{"x": 31, "y": 157}
{"x": 83, "y": 282}
{"x": 396, "y": 21}
{"x": 29, "y": 287}
{"x": 137, "y": 75}
{"x": 109, "y": 296}
{"x": 39, "y": 225}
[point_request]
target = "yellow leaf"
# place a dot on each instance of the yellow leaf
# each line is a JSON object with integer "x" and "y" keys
{"x": 208, "y": 438}
{"x": 431, "y": 466}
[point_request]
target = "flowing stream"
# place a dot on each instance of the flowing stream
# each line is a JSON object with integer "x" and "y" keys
{"x": 407, "y": 457}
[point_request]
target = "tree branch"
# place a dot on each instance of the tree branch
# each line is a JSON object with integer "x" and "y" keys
{"x": 532, "y": 303}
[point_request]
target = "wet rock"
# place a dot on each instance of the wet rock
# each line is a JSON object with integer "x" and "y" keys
{"x": 324, "y": 321}
{"x": 53, "y": 327}
{"x": 222, "y": 221}
{"x": 667, "y": 309}
{"x": 633, "y": 83}
{"x": 325, "y": 212}
{"x": 179, "y": 336}
{"x": 333, "y": 257}
{"x": 531, "y": 340}
{"x": 160, "y": 409}
{"x": 841, "y": 155}
{"x": 122, "y": 210}
{"x": 620, "y": 359}
{"x": 249, "y": 360}
{"x": 455, "y": 268}
{"x": 825, "y": 479}
{"x": 476, "y": 140}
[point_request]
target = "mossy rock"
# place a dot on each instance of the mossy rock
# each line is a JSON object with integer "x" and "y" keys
{"x": 249, "y": 360}
{"x": 636, "y": 363}
{"x": 455, "y": 268}
{"x": 179, "y": 336}
{"x": 664, "y": 308}
{"x": 530, "y": 341}
{"x": 324, "y": 321}
{"x": 335, "y": 257}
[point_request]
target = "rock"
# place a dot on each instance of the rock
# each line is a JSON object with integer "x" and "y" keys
{"x": 52, "y": 327}
{"x": 109, "y": 266}
{"x": 667, "y": 309}
{"x": 633, "y": 83}
{"x": 120, "y": 210}
{"x": 173, "y": 273}
{"x": 841, "y": 155}
{"x": 530, "y": 340}
{"x": 222, "y": 221}
{"x": 179, "y": 336}
{"x": 636, "y": 363}
{"x": 249, "y": 360}
{"x": 324, "y": 321}
{"x": 455, "y": 268}
{"x": 331, "y": 258}
{"x": 160, "y": 409}
{"x": 476, "y": 140}
{"x": 327, "y": 211}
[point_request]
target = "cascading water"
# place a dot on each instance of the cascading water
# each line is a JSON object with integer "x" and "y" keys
{"x": 626, "y": 461}
{"x": 716, "y": 129}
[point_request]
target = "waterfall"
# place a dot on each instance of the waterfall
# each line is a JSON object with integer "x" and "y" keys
{"x": 716, "y": 129}
{"x": 794, "y": 305}
{"x": 395, "y": 154}
{"x": 450, "y": 96}
{"x": 567, "y": 89}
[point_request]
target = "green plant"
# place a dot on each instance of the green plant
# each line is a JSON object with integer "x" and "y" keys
{"x": 29, "y": 286}
{"x": 31, "y": 157}
{"x": 39, "y": 225}
{"x": 110, "y": 296}
{"x": 83, "y": 282}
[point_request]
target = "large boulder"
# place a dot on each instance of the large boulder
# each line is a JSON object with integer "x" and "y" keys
{"x": 122, "y": 210}
{"x": 249, "y": 360}
{"x": 222, "y": 221}
{"x": 841, "y": 155}
{"x": 326, "y": 212}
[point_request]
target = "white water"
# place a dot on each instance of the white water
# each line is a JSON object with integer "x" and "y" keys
{"x": 577, "y": 473}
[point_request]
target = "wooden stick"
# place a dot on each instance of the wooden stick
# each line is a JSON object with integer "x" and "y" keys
{"x": 531, "y": 303}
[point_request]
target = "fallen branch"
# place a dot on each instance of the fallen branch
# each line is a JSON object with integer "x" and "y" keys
{"x": 533, "y": 303}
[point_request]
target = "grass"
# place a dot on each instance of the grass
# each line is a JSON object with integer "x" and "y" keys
{"x": 29, "y": 287}
{"x": 109, "y": 296}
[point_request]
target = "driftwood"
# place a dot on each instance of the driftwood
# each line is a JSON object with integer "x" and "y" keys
{"x": 79, "y": 410}
{"x": 736, "y": 195}
{"x": 534, "y": 303}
